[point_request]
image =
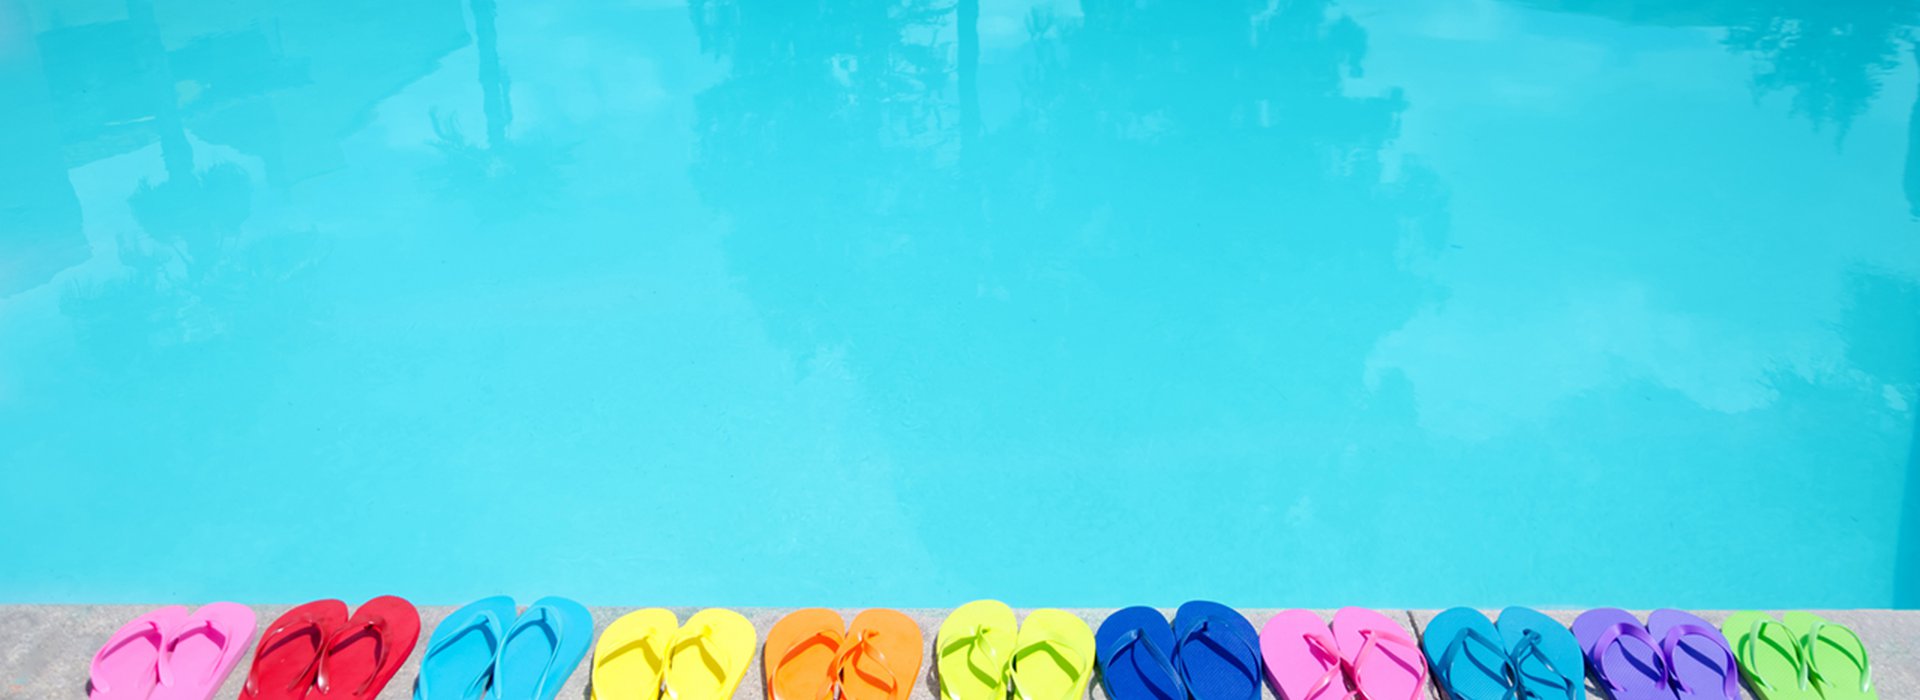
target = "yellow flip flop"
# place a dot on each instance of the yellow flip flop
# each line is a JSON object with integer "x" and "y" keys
{"x": 632, "y": 655}
{"x": 1053, "y": 658}
{"x": 709, "y": 655}
{"x": 974, "y": 649}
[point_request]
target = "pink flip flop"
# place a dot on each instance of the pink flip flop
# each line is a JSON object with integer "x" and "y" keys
{"x": 1381, "y": 657}
{"x": 128, "y": 665}
{"x": 1301, "y": 657}
{"x": 202, "y": 651}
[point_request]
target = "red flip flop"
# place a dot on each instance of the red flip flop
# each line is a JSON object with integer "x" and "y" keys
{"x": 288, "y": 657}
{"x": 364, "y": 652}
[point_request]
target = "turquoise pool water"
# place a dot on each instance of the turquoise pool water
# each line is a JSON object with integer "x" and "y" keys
{"x": 856, "y": 302}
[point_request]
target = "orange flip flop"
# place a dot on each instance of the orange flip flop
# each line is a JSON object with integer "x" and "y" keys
{"x": 879, "y": 657}
{"x": 802, "y": 655}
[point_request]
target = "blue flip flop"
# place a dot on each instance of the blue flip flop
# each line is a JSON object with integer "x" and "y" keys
{"x": 458, "y": 662}
{"x": 1547, "y": 662}
{"x": 541, "y": 650}
{"x": 1135, "y": 649}
{"x": 1469, "y": 661}
{"x": 1216, "y": 652}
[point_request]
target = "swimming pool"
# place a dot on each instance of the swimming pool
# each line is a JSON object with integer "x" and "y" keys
{"x": 748, "y": 302}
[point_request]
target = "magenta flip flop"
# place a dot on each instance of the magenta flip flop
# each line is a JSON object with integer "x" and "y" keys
{"x": 128, "y": 665}
{"x": 1301, "y": 658}
{"x": 1700, "y": 663}
{"x": 202, "y": 651}
{"x": 1622, "y": 655}
{"x": 1382, "y": 659}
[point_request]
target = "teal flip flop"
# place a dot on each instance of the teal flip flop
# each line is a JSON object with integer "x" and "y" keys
{"x": 541, "y": 650}
{"x": 1546, "y": 657}
{"x": 458, "y": 662}
{"x": 1469, "y": 659}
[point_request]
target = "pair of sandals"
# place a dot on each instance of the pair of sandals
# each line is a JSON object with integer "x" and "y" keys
{"x": 812, "y": 654}
{"x": 1800, "y": 657}
{"x": 170, "y": 654}
{"x": 1363, "y": 655}
{"x": 984, "y": 653}
{"x": 648, "y": 654}
{"x": 485, "y": 648}
{"x": 1524, "y": 656}
{"x": 317, "y": 650}
{"x": 1208, "y": 652}
{"x": 1673, "y": 656}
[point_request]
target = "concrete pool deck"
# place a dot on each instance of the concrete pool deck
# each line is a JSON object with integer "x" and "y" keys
{"x": 47, "y": 647}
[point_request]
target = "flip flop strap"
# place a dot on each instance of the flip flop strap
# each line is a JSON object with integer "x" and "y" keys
{"x": 1529, "y": 647}
{"x": 1633, "y": 631}
{"x": 1198, "y": 630}
{"x": 1065, "y": 656}
{"x": 1813, "y": 637}
{"x": 1138, "y": 639}
{"x": 280, "y": 635}
{"x": 1336, "y": 666}
{"x": 701, "y": 641}
{"x": 480, "y": 622}
{"x": 1755, "y": 636}
{"x": 977, "y": 641}
{"x": 793, "y": 652}
{"x": 1458, "y": 645}
{"x": 374, "y": 625}
{"x": 1376, "y": 639}
{"x": 1729, "y": 672}
{"x": 221, "y": 639}
{"x": 863, "y": 646}
{"x": 152, "y": 627}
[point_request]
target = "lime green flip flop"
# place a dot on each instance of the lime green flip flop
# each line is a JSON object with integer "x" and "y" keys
{"x": 1770, "y": 657}
{"x": 975, "y": 648}
{"x": 1053, "y": 658}
{"x": 1836, "y": 659}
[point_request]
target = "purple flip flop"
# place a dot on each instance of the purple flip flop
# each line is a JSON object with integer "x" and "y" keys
{"x": 1699, "y": 661}
{"x": 1622, "y": 655}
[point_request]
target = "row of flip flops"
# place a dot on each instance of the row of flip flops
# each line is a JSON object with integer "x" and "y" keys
{"x": 983, "y": 651}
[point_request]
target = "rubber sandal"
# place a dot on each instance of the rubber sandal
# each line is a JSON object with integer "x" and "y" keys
{"x": 1770, "y": 657}
{"x": 1700, "y": 663}
{"x": 800, "y": 653}
{"x": 1382, "y": 660}
{"x": 1301, "y": 658}
{"x": 1468, "y": 658}
{"x": 973, "y": 651}
{"x": 707, "y": 657}
{"x": 288, "y": 656}
{"x": 202, "y": 652}
{"x": 1135, "y": 648}
{"x": 1216, "y": 651}
{"x": 1624, "y": 657}
{"x": 1052, "y": 658}
{"x": 631, "y": 658}
{"x": 879, "y": 657}
{"x": 1547, "y": 663}
{"x": 128, "y": 665}
{"x": 1836, "y": 658}
{"x": 365, "y": 651}
{"x": 458, "y": 662}
{"x": 541, "y": 649}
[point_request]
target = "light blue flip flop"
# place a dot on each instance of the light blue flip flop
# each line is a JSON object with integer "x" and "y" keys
{"x": 541, "y": 650}
{"x": 1547, "y": 662}
{"x": 458, "y": 662}
{"x": 1468, "y": 658}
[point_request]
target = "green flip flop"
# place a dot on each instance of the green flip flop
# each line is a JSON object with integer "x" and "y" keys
{"x": 1053, "y": 658}
{"x": 1770, "y": 657}
{"x": 1836, "y": 659}
{"x": 974, "y": 650}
